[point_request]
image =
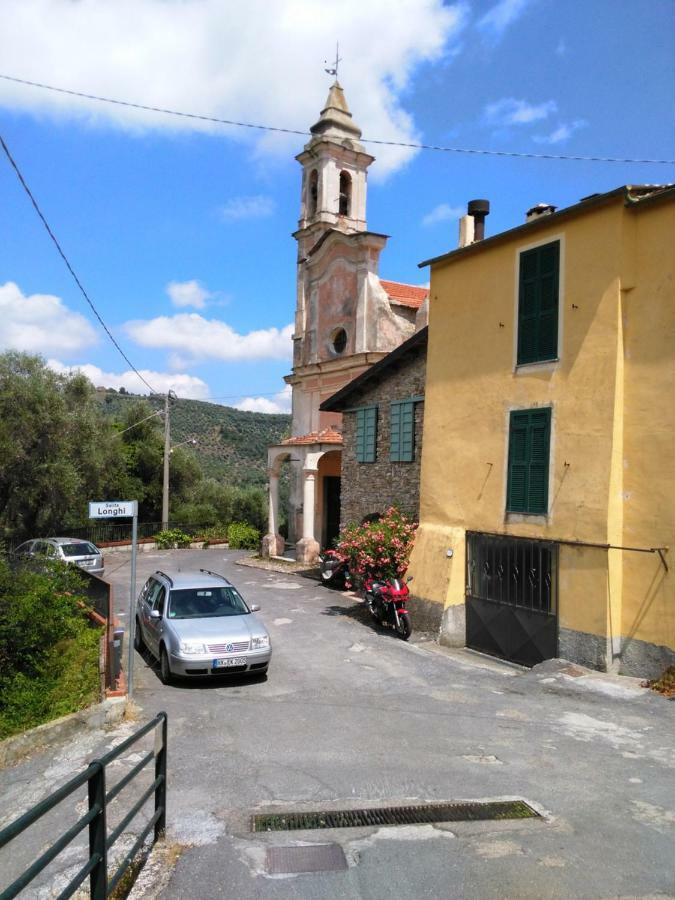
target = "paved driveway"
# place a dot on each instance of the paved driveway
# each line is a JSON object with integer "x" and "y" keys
{"x": 350, "y": 716}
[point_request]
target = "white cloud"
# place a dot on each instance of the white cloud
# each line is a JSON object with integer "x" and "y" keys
{"x": 41, "y": 323}
{"x": 238, "y": 208}
{"x": 191, "y": 337}
{"x": 509, "y": 111}
{"x": 443, "y": 213}
{"x": 280, "y": 403}
{"x": 257, "y": 62}
{"x": 188, "y": 293}
{"x": 496, "y": 20}
{"x": 184, "y": 385}
{"x": 562, "y": 133}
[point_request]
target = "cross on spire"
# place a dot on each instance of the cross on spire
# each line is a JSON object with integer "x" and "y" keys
{"x": 334, "y": 69}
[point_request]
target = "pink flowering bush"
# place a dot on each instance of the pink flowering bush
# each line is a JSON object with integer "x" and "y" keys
{"x": 378, "y": 549}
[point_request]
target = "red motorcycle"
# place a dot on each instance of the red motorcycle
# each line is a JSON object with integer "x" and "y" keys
{"x": 387, "y": 604}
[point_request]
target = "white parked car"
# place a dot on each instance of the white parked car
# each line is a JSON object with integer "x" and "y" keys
{"x": 71, "y": 550}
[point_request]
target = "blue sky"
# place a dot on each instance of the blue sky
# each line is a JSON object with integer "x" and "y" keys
{"x": 181, "y": 231}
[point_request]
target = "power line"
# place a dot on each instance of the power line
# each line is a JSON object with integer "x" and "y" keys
{"x": 382, "y": 143}
{"x": 68, "y": 265}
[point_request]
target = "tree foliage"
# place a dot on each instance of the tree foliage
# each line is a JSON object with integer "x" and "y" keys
{"x": 57, "y": 451}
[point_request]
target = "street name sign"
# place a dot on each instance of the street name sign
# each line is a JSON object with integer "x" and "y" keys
{"x": 113, "y": 509}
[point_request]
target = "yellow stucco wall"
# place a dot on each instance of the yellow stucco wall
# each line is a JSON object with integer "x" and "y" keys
{"x": 648, "y": 611}
{"x": 606, "y": 390}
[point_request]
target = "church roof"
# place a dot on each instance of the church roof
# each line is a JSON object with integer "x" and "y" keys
{"x": 335, "y": 120}
{"x": 326, "y": 436}
{"x": 400, "y": 294}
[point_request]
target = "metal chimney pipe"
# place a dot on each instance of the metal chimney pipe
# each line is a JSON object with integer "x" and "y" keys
{"x": 479, "y": 209}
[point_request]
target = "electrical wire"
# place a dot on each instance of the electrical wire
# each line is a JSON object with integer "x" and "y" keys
{"x": 410, "y": 146}
{"x": 68, "y": 265}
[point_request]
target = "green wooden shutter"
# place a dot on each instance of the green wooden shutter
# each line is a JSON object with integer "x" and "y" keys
{"x": 540, "y": 427}
{"x": 527, "y": 480}
{"x": 395, "y": 432}
{"x": 538, "y": 304}
{"x": 360, "y": 435}
{"x": 366, "y": 434}
{"x": 402, "y": 431}
{"x": 370, "y": 434}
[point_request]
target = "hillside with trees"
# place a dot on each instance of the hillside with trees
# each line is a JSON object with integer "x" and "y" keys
{"x": 232, "y": 444}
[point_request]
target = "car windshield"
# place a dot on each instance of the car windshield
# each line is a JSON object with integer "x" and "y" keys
{"x": 206, "y": 603}
{"x": 81, "y": 548}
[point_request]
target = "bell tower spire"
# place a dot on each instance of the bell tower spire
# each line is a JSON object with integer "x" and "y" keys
{"x": 334, "y": 165}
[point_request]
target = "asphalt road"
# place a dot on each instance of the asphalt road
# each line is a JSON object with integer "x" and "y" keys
{"x": 352, "y": 717}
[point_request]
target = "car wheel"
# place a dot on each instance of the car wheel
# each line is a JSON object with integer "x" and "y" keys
{"x": 164, "y": 667}
{"x": 138, "y": 638}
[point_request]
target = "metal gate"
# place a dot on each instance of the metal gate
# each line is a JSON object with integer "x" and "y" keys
{"x": 512, "y": 597}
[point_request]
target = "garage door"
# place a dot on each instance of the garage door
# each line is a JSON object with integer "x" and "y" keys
{"x": 511, "y": 597}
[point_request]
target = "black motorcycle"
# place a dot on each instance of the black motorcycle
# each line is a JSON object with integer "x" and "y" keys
{"x": 334, "y": 569}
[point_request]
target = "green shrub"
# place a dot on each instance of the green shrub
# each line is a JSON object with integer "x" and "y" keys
{"x": 48, "y": 648}
{"x": 172, "y": 539}
{"x": 241, "y": 536}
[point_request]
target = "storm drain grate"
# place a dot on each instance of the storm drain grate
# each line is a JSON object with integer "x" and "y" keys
{"x": 394, "y": 815}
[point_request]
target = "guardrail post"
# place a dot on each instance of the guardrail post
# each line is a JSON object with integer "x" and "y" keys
{"x": 98, "y": 880}
{"x": 160, "y": 770}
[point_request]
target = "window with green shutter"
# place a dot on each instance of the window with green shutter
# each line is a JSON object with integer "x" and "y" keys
{"x": 538, "y": 304}
{"x": 402, "y": 431}
{"x": 529, "y": 440}
{"x": 366, "y": 434}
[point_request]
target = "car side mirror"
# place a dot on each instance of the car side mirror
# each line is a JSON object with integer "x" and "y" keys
{"x": 254, "y": 607}
{"x": 155, "y": 614}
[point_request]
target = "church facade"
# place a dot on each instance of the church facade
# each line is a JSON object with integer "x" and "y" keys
{"x": 346, "y": 320}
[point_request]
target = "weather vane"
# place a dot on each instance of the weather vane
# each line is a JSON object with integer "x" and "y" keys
{"x": 336, "y": 64}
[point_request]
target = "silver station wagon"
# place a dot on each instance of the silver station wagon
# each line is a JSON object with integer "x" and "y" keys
{"x": 197, "y": 623}
{"x": 71, "y": 550}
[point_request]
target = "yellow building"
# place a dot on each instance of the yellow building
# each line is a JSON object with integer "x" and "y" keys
{"x": 548, "y": 473}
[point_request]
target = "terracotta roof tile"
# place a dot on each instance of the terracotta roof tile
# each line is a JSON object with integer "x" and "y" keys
{"x": 326, "y": 436}
{"x": 411, "y": 295}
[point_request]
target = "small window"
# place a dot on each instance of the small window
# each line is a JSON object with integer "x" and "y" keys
{"x": 366, "y": 434}
{"x": 402, "y": 428}
{"x": 339, "y": 340}
{"x": 313, "y": 192}
{"x": 538, "y": 304}
{"x": 527, "y": 482}
{"x": 345, "y": 193}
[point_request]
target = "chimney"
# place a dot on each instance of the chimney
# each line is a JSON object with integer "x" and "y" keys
{"x": 472, "y": 225}
{"x": 541, "y": 209}
{"x": 479, "y": 209}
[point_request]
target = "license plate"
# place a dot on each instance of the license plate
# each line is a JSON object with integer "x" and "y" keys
{"x": 226, "y": 663}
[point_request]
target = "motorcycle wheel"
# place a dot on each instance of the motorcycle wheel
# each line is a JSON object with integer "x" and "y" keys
{"x": 404, "y": 628}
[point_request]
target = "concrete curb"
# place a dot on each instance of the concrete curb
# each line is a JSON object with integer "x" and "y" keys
{"x": 16, "y": 748}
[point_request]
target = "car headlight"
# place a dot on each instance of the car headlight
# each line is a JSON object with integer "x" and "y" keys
{"x": 257, "y": 643}
{"x": 190, "y": 648}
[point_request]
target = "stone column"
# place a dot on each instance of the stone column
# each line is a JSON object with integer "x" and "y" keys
{"x": 273, "y": 542}
{"x": 307, "y": 549}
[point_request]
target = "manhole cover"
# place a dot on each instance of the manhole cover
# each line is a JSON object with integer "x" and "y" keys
{"x": 295, "y": 860}
{"x": 471, "y": 811}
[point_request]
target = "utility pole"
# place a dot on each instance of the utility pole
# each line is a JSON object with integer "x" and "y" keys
{"x": 167, "y": 452}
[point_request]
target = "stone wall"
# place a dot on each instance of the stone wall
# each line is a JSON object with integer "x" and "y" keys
{"x": 372, "y": 487}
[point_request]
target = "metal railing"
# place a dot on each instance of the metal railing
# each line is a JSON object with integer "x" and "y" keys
{"x": 100, "y": 841}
